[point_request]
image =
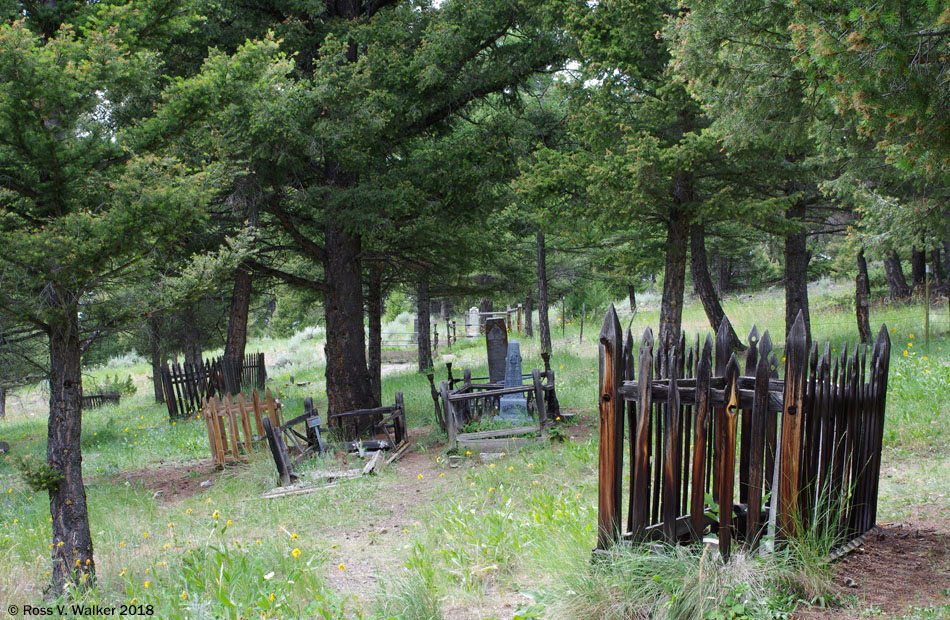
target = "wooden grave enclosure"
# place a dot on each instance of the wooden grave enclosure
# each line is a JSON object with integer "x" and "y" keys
{"x": 298, "y": 439}
{"x": 460, "y": 401}
{"x": 185, "y": 385}
{"x": 235, "y": 424}
{"x": 803, "y": 451}
{"x": 94, "y": 401}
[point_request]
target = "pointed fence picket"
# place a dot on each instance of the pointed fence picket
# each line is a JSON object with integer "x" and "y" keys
{"x": 736, "y": 454}
{"x": 185, "y": 385}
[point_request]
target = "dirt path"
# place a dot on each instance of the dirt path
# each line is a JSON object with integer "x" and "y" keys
{"x": 364, "y": 550}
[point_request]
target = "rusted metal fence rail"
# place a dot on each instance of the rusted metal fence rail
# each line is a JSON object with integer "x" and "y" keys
{"x": 185, "y": 385}
{"x": 755, "y": 451}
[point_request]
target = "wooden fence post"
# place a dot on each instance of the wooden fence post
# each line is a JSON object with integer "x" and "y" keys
{"x": 789, "y": 463}
{"x": 757, "y": 440}
{"x": 727, "y": 461}
{"x": 701, "y": 424}
{"x": 640, "y": 484}
{"x": 671, "y": 460}
{"x": 611, "y": 433}
{"x": 449, "y": 412}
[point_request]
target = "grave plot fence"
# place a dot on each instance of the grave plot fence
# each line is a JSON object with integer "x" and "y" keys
{"x": 94, "y": 401}
{"x": 235, "y": 424}
{"x": 186, "y": 384}
{"x": 487, "y": 402}
{"x": 738, "y": 454}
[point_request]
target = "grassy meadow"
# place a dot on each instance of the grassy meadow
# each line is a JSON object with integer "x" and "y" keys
{"x": 509, "y": 538}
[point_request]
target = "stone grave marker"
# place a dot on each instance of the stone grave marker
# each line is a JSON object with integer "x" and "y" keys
{"x": 471, "y": 322}
{"x": 496, "y": 341}
{"x": 514, "y": 407}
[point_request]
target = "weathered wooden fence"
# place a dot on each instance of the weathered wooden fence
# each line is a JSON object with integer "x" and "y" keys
{"x": 460, "y": 401}
{"x": 233, "y": 421}
{"x": 802, "y": 452}
{"x": 185, "y": 385}
{"x": 93, "y": 401}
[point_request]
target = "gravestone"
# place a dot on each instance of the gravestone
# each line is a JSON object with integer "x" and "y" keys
{"x": 471, "y": 322}
{"x": 496, "y": 342}
{"x": 514, "y": 407}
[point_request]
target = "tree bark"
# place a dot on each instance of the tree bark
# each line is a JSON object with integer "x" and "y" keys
{"x": 528, "y": 311}
{"x": 674, "y": 279}
{"x": 423, "y": 308}
{"x": 72, "y": 542}
{"x": 236, "y": 343}
{"x": 796, "y": 272}
{"x": 348, "y": 383}
{"x": 485, "y": 305}
{"x": 543, "y": 325}
{"x": 191, "y": 333}
{"x": 158, "y": 361}
{"x": 895, "y": 277}
{"x": 374, "y": 314}
{"x": 703, "y": 284}
{"x": 918, "y": 266}
{"x": 862, "y": 299}
{"x": 632, "y": 294}
{"x": 946, "y": 255}
{"x": 3, "y": 403}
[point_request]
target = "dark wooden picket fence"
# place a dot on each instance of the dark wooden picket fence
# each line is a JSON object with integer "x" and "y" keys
{"x": 804, "y": 451}
{"x": 186, "y": 384}
{"x": 94, "y": 401}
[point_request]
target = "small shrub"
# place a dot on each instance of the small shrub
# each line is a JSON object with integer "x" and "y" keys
{"x": 38, "y": 475}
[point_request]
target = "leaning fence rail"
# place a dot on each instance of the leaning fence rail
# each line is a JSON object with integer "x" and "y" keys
{"x": 761, "y": 453}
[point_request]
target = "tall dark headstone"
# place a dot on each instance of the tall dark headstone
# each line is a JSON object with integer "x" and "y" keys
{"x": 496, "y": 340}
{"x": 513, "y": 407}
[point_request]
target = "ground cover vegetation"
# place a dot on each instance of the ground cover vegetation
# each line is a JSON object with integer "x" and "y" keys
{"x": 317, "y": 179}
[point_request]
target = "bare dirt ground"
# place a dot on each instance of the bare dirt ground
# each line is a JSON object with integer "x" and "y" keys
{"x": 174, "y": 481}
{"x": 902, "y": 565}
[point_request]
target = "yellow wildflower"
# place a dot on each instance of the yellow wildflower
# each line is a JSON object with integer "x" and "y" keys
{"x": 147, "y": 584}
{"x": 341, "y": 566}
{"x": 295, "y": 553}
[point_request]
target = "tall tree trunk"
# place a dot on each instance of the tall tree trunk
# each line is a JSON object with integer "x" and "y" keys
{"x": 918, "y": 266}
{"x": 632, "y": 294}
{"x": 348, "y": 383}
{"x": 935, "y": 261}
{"x": 191, "y": 333}
{"x": 862, "y": 299}
{"x": 374, "y": 315}
{"x": 485, "y": 305}
{"x": 703, "y": 284}
{"x": 674, "y": 279}
{"x": 158, "y": 361}
{"x": 72, "y": 542}
{"x": 543, "y": 325}
{"x": 423, "y": 308}
{"x": 3, "y": 403}
{"x": 796, "y": 272}
{"x": 946, "y": 253}
{"x": 528, "y": 311}
{"x": 894, "y": 273}
{"x": 236, "y": 343}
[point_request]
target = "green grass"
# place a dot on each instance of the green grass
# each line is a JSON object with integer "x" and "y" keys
{"x": 519, "y": 532}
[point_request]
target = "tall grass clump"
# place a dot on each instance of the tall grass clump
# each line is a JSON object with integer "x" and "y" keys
{"x": 413, "y": 594}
